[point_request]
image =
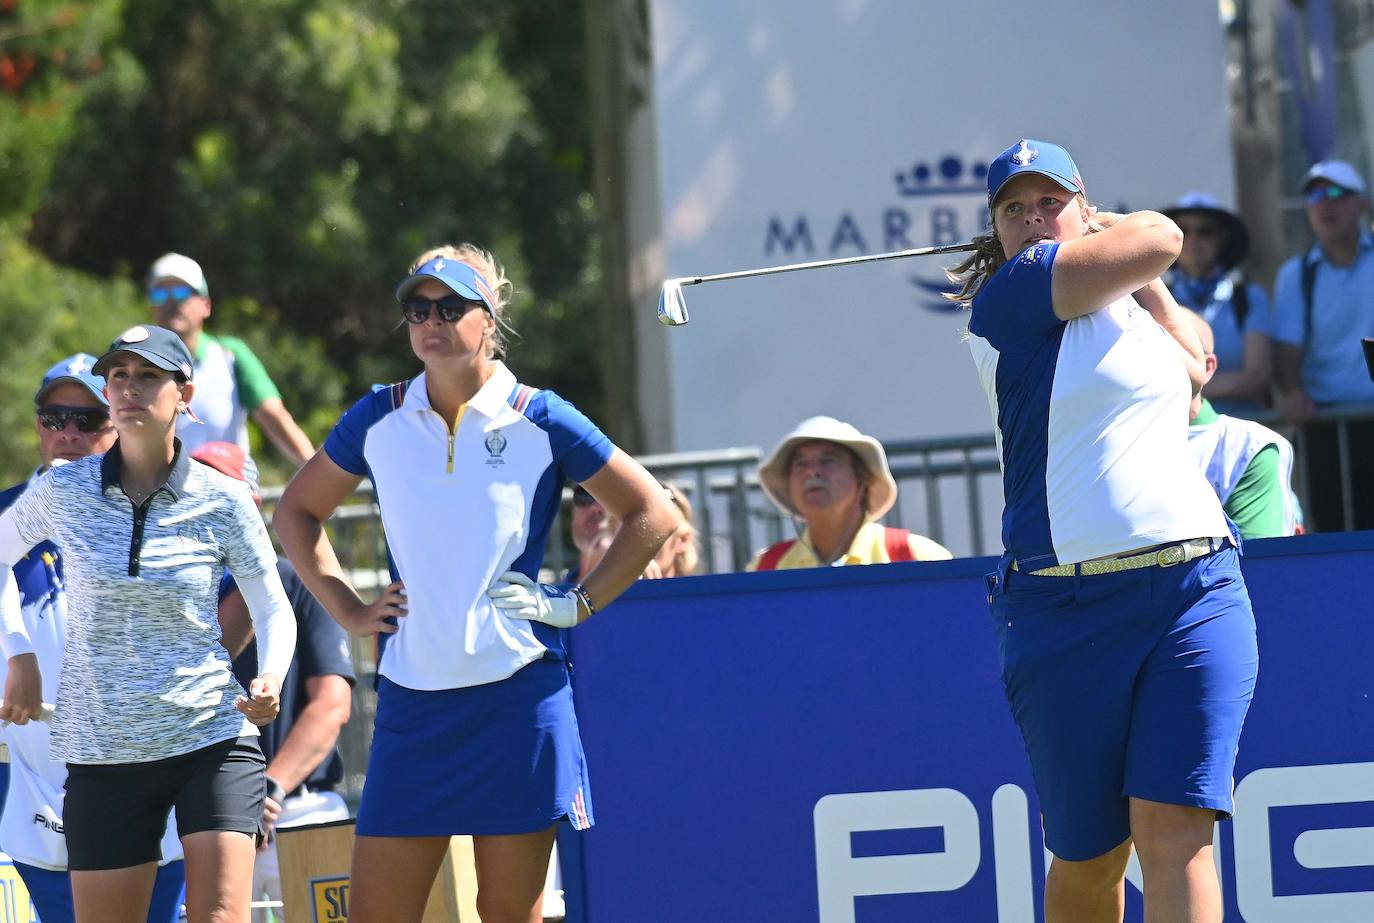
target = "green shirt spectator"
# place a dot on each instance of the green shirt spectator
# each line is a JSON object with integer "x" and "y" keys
{"x": 231, "y": 382}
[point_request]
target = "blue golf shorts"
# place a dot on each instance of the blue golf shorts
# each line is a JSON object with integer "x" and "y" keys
{"x": 1127, "y": 685}
{"x": 500, "y": 758}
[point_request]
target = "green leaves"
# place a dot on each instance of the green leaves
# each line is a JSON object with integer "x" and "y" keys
{"x": 304, "y": 151}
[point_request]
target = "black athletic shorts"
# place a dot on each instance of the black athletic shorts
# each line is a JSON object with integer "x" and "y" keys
{"x": 115, "y": 814}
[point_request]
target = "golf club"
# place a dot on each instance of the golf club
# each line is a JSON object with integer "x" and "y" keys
{"x": 672, "y": 307}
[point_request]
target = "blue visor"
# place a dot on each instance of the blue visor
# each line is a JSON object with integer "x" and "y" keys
{"x": 460, "y": 278}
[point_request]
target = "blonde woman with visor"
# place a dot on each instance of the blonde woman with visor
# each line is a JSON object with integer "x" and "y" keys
{"x": 475, "y": 731}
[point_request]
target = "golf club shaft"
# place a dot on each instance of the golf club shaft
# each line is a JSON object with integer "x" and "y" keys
{"x": 818, "y": 264}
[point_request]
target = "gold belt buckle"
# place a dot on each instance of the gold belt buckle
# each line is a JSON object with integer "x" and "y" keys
{"x": 1174, "y": 554}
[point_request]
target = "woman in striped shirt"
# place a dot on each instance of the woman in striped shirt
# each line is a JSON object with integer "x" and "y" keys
{"x": 147, "y": 714}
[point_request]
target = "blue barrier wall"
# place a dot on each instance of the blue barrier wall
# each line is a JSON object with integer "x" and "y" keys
{"x": 834, "y": 745}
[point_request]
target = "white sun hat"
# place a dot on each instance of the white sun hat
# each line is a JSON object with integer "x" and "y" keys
{"x": 882, "y": 491}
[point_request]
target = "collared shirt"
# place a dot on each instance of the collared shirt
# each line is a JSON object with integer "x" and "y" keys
{"x": 1091, "y": 418}
{"x": 31, "y": 826}
{"x": 1250, "y": 467}
{"x": 231, "y": 383}
{"x": 461, "y": 505}
{"x": 869, "y": 547}
{"x": 145, "y": 676}
{"x": 1333, "y": 366}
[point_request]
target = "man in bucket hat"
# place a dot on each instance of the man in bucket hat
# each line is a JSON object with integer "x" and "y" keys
{"x": 1208, "y": 278}
{"x": 836, "y": 480}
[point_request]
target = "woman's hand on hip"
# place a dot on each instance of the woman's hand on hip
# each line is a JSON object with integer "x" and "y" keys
{"x": 520, "y": 597}
{"x": 263, "y": 701}
{"x": 374, "y": 617}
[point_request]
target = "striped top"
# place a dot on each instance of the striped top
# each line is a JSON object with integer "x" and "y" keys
{"x": 146, "y": 676}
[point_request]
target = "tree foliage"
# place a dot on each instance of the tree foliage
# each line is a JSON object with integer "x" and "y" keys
{"x": 304, "y": 151}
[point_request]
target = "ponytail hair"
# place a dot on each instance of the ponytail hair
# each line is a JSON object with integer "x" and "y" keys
{"x": 977, "y": 268}
{"x": 975, "y": 271}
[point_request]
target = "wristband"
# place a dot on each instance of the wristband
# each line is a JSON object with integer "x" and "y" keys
{"x": 275, "y": 791}
{"x": 581, "y": 593}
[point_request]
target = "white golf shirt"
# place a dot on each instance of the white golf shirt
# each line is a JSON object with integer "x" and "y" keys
{"x": 460, "y": 507}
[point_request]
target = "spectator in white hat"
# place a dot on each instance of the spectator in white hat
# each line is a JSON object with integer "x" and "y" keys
{"x": 231, "y": 381}
{"x": 1323, "y": 305}
{"x": 836, "y": 480}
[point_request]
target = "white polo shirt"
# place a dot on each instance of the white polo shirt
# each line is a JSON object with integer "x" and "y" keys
{"x": 460, "y": 508}
{"x": 1092, "y": 422}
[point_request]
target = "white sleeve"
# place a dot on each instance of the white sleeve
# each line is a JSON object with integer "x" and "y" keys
{"x": 14, "y": 636}
{"x": 274, "y": 622}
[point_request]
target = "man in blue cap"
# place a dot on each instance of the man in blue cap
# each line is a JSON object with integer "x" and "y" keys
{"x": 73, "y": 421}
{"x": 1323, "y": 305}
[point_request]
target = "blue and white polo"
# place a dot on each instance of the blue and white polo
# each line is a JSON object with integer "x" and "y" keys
{"x": 460, "y": 507}
{"x": 1092, "y": 422}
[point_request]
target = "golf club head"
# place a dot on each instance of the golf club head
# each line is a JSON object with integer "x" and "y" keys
{"x": 672, "y": 308}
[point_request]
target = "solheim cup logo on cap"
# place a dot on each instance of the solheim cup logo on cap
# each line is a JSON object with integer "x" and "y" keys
{"x": 496, "y": 444}
{"x": 939, "y": 201}
{"x": 1024, "y": 153}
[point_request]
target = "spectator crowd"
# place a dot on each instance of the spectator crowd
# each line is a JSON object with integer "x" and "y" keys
{"x": 1294, "y": 361}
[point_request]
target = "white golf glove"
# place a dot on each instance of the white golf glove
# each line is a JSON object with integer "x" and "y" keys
{"x": 520, "y": 597}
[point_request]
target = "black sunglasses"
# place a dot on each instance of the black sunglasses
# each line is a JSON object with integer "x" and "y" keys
{"x": 581, "y": 497}
{"x": 450, "y": 307}
{"x": 88, "y": 419}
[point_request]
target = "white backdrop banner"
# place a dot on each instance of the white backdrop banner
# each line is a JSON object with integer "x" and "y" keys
{"x": 801, "y": 131}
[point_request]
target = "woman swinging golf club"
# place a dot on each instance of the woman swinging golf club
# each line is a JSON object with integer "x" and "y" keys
{"x": 1125, "y": 632}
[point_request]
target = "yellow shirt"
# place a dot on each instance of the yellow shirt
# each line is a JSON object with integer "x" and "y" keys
{"x": 869, "y": 547}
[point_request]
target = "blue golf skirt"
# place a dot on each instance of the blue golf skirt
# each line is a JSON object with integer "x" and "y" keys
{"x": 500, "y": 758}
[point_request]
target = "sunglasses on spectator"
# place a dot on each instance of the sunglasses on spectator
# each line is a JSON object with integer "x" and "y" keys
{"x": 450, "y": 307}
{"x": 1330, "y": 193}
{"x": 88, "y": 419}
{"x": 175, "y": 294}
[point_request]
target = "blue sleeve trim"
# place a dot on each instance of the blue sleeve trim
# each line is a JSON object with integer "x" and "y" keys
{"x": 348, "y": 439}
{"x": 579, "y": 448}
{"x": 1015, "y": 309}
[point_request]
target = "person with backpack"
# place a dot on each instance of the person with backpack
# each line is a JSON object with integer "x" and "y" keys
{"x": 1323, "y": 306}
{"x": 836, "y": 481}
{"x": 1207, "y": 278}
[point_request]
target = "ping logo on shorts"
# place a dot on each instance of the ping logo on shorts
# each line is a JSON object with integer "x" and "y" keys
{"x": 329, "y": 899}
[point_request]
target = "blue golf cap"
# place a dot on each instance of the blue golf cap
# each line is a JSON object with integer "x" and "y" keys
{"x": 158, "y": 345}
{"x": 77, "y": 369}
{"x": 461, "y": 278}
{"x": 1026, "y": 156}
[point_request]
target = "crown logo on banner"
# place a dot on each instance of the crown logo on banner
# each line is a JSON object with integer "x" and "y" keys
{"x": 948, "y": 175}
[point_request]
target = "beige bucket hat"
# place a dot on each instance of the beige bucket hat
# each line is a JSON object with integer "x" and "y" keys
{"x": 882, "y": 492}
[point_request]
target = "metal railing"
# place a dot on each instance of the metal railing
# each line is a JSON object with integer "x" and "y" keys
{"x": 1349, "y": 467}
{"x": 950, "y": 490}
